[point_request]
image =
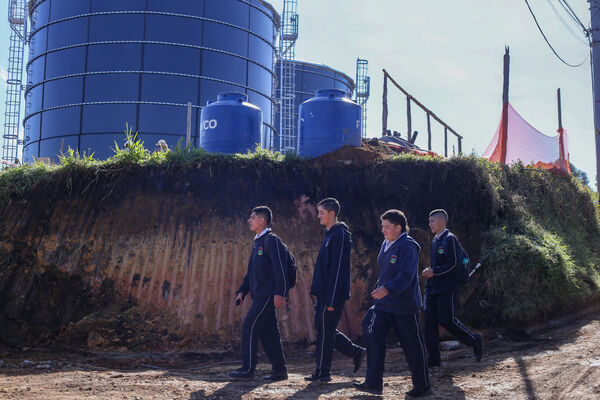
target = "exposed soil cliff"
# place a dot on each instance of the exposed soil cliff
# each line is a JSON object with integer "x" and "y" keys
{"x": 150, "y": 257}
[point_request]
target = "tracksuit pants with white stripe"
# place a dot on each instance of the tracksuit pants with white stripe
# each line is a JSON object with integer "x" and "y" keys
{"x": 261, "y": 323}
{"x": 439, "y": 310}
{"x": 376, "y": 325}
{"x": 329, "y": 337}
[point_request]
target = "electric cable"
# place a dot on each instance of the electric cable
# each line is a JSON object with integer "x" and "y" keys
{"x": 548, "y": 42}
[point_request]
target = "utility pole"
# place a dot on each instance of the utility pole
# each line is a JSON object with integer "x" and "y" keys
{"x": 595, "y": 60}
{"x": 559, "y": 109}
{"x": 563, "y": 156}
{"x": 504, "y": 133}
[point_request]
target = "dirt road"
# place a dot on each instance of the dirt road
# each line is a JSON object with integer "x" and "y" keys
{"x": 560, "y": 363}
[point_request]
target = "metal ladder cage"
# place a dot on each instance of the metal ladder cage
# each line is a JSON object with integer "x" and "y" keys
{"x": 17, "y": 17}
{"x": 288, "y": 137}
{"x": 362, "y": 92}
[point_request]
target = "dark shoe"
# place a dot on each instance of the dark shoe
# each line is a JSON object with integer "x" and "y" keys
{"x": 365, "y": 387}
{"x": 433, "y": 363}
{"x": 358, "y": 359}
{"x": 414, "y": 392}
{"x": 276, "y": 376}
{"x": 241, "y": 374}
{"x": 317, "y": 378}
{"x": 478, "y": 348}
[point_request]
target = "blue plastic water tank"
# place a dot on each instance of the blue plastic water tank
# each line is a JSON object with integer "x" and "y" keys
{"x": 230, "y": 125}
{"x": 308, "y": 78}
{"x": 328, "y": 121}
{"x": 95, "y": 65}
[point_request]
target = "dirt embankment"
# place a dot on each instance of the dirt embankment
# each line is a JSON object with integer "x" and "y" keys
{"x": 150, "y": 258}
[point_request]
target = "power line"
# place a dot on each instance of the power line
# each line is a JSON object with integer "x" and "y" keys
{"x": 571, "y": 13}
{"x": 548, "y": 42}
{"x": 565, "y": 24}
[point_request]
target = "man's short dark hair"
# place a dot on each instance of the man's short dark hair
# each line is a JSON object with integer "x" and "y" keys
{"x": 330, "y": 204}
{"x": 396, "y": 217}
{"x": 264, "y": 212}
{"x": 439, "y": 211}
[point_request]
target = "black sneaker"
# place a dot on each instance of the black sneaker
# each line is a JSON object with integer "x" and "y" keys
{"x": 241, "y": 374}
{"x": 478, "y": 348}
{"x": 358, "y": 359}
{"x": 414, "y": 392}
{"x": 365, "y": 387}
{"x": 276, "y": 376}
{"x": 318, "y": 378}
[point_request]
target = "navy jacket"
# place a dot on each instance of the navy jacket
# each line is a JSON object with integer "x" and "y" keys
{"x": 398, "y": 272}
{"x": 267, "y": 273}
{"x": 444, "y": 262}
{"x": 331, "y": 279}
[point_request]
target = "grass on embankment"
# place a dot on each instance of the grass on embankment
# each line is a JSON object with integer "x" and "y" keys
{"x": 544, "y": 245}
{"x": 549, "y": 259}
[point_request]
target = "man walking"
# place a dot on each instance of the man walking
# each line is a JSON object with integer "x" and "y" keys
{"x": 397, "y": 302}
{"x": 331, "y": 286}
{"x": 266, "y": 281}
{"x": 441, "y": 291}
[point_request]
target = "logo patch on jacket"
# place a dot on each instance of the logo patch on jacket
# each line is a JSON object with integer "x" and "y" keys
{"x": 393, "y": 259}
{"x": 327, "y": 243}
{"x": 440, "y": 251}
{"x": 260, "y": 251}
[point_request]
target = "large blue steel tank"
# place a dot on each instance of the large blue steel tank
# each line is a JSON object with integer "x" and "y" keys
{"x": 95, "y": 65}
{"x": 328, "y": 121}
{"x": 230, "y": 125}
{"x": 309, "y": 78}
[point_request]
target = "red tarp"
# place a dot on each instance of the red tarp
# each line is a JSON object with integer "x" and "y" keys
{"x": 526, "y": 144}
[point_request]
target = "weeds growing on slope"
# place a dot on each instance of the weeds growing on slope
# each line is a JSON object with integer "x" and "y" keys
{"x": 550, "y": 224}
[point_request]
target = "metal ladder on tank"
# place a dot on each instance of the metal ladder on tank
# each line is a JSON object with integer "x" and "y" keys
{"x": 363, "y": 91}
{"x": 288, "y": 137}
{"x": 17, "y": 17}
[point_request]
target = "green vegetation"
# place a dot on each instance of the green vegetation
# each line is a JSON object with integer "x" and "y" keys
{"x": 579, "y": 174}
{"x": 20, "y": 179}
{"x": 542, "y": 230}
{"x": 546, "y": 254}
{"x": 133, "y": 154}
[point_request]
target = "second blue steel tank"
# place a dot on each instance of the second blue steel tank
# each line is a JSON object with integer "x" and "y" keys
{"x": 328, "y": 121}
{"x": 230, "y": 125}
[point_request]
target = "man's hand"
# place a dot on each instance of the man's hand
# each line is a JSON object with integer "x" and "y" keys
{"x": 427, "y": 273}
{"x": 278, "y": 300}
{"x": 239, "y": 299}
{"x": 379, "y": 293}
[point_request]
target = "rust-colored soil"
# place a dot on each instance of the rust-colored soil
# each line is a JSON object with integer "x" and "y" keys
{"x": 562, "y": 363}
{"x": 371, "y": 150}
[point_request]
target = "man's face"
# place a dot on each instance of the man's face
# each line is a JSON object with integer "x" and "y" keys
{"x": 437, "y": 223}
{"x": 325, "y": 217}
{"x": 256, "y": 223}
{"x": 390, "y": 231}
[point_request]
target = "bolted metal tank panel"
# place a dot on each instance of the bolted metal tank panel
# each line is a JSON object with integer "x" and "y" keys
{"x": 328, "y": 121}
{"x": 230, "y": 125}
{"x": 95, "y": 65}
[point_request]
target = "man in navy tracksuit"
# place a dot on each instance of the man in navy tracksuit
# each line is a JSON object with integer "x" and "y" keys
{"x": 441, "y": 291}
{"x": 331, "y": 286}
{"x": 397, "y": 302}
{"x": 266, "y": 281}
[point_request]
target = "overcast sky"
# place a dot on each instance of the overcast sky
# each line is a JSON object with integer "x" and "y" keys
{"x": 448, "y": 54}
